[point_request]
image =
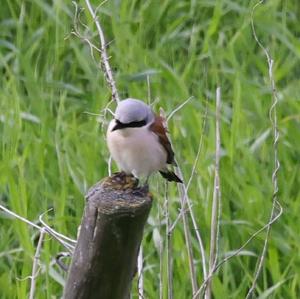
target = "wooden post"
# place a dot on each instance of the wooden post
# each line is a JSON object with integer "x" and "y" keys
{"x": 105, "y": 257}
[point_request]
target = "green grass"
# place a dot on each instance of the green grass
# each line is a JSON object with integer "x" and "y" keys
{"x": 52, "y": 151}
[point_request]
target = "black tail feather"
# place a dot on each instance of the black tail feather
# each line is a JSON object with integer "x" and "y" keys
{"x": 170, "y": 176}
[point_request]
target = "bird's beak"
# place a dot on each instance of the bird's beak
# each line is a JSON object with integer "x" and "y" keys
{"x": 117, "y": 126}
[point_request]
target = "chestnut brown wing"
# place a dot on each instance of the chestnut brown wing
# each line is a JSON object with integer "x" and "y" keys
{"x": 160, "y": 130}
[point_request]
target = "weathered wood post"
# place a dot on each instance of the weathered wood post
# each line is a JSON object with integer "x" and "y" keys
{"x": 105, "y": 257}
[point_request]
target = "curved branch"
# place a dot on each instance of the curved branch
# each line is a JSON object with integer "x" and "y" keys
{"x": 104, "y": 57}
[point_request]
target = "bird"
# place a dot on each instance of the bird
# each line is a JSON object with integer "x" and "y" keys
{"x": 138, "y": 142}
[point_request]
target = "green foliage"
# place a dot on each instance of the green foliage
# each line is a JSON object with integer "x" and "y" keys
{"x": 52, "y": 151}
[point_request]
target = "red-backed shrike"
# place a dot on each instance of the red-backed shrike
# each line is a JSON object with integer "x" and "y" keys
{"x": 137, "y": 140}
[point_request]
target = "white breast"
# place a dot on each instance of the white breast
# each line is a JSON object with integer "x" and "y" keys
{"x": 136, "y": 150}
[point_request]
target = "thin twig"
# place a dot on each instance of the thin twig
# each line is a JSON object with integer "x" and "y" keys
{"x": 59, "y": 237}
{"x": 9, "y": 212}
{"x": 78, "y": 16}
{"x": 276, "y": 210}
{"x": 186, "y": 199}
{"x": 140, "y": 273}
{"x": 103, "y": 117}
{"x": 215, "y": 223}
{"x": 98, "y": 7}
{"x": 54, "y": 232}
{"x": 273, "y": 119}
{"x": 276, "y": 207}
{"x": 178, "y": 108}
{"x": 168, "y": 245}
{"x": 77, "y": 33}
{"x": 149, "y": 90}
{"x": 154, "y": 102}
{"x": 104, "y": 57}
{"x": 187, "y": 234}
{"x": 236, "y": 253}
{"x": 161, "y": 256}
{"x": 36, "y": 263}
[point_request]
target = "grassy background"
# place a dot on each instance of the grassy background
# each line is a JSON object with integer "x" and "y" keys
{"x": 52, "y": 151}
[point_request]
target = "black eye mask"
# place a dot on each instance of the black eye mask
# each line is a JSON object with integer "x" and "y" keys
{"x": 134, "y": 124}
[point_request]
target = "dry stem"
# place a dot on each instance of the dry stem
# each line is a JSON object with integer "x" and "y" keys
{"x": 59, "y": 237}
{"x": 187, "y": 234}
{"x": 168, "y": 245}
{"x": 36, "y": 263}
{"x": 140, "y": 273}
{"x": 104, "y": 57}
{"x": 273, "y": 119}
{"x": 276, "y": 210}
{"x": 186, "y": 200}
{"x": 216, "y": 199}
{"x": 236, "y": 253}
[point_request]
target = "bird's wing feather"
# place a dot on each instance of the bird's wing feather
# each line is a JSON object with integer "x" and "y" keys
{"x": 158, "y": 127}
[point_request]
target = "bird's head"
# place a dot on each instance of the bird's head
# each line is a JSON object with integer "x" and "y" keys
{"x": 132, "y": 113}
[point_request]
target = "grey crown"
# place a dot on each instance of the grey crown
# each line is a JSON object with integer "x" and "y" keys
{"x": 132, "y": 110}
